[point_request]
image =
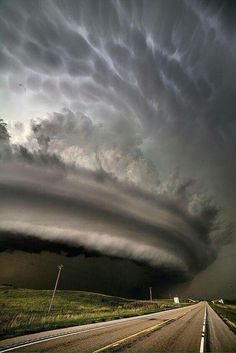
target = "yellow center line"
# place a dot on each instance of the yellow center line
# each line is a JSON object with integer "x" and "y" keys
{"x": 149, "y": 329}
{"x": 117, "y": 343}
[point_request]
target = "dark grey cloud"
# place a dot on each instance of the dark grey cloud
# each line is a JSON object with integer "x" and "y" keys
{"x": 11, "y": 242}
{"x": 89, "y": 273}
{"x": 149, "y": 87}
{"x": 47, "y": 202}
{"x": 65, "y": 205}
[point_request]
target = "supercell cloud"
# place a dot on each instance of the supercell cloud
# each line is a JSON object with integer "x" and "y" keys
{"x": 122, "y": 123}
{"x": 102, "y": 216}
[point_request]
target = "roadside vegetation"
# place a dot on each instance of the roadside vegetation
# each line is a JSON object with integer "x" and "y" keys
{"x": 24, "y": 311}
{"x": 227, "y": 312}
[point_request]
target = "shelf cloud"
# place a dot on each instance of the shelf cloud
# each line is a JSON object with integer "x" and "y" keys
{"x": 94, "y": 211}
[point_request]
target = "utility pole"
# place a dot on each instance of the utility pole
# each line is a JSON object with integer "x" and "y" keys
{"x": 150, "y": 291}
{"x": 60, "y": 267}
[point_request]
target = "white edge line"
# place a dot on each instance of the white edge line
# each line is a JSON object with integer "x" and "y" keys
{"x": 203, "y": 334}
{"x": 40, "y": 340}
{"x": 55, "y": 337}
{"x": 78, "y": 332}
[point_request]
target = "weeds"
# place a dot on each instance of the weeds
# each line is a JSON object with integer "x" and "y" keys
{"x": 25, "y": 311}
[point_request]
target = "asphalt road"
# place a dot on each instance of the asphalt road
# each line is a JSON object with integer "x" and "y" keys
{"x": 178, "y": 330}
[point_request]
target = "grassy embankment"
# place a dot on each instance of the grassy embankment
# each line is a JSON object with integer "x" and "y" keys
{"x": 227, "y": 312}
{"x": 24, "y": 311}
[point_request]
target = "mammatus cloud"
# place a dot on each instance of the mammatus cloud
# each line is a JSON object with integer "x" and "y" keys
{"x": 163, "y": 69}
{"x": 157, "y": 62}
{"x": 149, "y": 87}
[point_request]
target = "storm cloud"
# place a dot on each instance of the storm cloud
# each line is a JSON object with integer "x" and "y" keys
{"x": 122, "y": 123}
{"x": 122, "y": 56}
{"x": 80, "y": 209}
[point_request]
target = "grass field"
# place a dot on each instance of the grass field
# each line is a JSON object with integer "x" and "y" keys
{"x": 25, "y": 310}
{"x": 227, "y": 312}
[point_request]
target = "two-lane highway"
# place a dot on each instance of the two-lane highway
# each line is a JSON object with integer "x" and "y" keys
{"x": 174, "y": 330}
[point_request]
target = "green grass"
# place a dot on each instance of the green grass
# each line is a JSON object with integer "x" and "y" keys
{"x": 227, "y": 312}
{"x": 24, "y": 311}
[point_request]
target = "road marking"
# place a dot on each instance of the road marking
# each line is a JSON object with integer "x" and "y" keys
{"x": 41, "y": 340}
{"x": 46, "y": 339}
{"x": 203, "y": 335}
{"x": 123, "y": 340}
{"x": 147, "y": 330}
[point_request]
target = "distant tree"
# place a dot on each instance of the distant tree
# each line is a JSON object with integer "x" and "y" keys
{"x": 4, "y": 134}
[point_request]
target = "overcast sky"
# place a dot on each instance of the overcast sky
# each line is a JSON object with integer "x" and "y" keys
{"x": 121, "y": 161}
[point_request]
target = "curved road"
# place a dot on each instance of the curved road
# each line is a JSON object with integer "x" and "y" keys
{"x": 177, "y": 330}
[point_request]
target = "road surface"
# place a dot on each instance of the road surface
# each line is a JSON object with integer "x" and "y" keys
{"x": 177, "y": 330}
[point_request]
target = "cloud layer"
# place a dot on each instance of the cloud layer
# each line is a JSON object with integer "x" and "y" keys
{"x": 157, "y": 62}
{"x": 149, "y": 126}
{"x": 175, "y": 230}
